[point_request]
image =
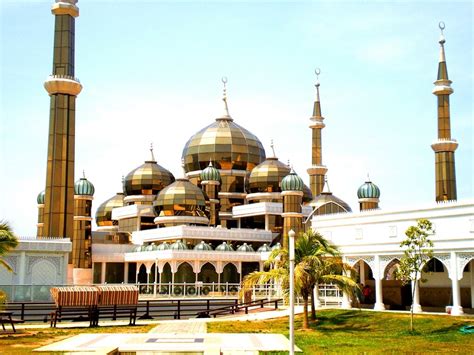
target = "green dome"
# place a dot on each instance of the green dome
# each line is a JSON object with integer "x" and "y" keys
{"x": 264, "y": 248}
{"x": 148, "y": 179}
{"x": 178, "y": 245}
{"x": 267, "y": 176}
{"x": 292, "y": 182}
{"x": 202, "y": 246}
{"x": 150, "y": 247}
{"x": 138, "y": 248}
{"x": 210, "y": 174}
{"x": 277, "y": 246}
{"x": 246, "y": 248}
{"x": 180, "y": 198}
{"x": 224, "y": 247}
{"x": 163, "y": 246}
{"x": 84, "y": 187}
{"x": 40, "y": 198}
{"x": 103, "y": 216}
{"x": 368, "y": 190}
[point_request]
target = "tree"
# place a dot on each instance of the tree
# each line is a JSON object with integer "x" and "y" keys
{"x": 8, "y": 242}
{"x": 313, "y": 263}
{"x": 418, "y": 250}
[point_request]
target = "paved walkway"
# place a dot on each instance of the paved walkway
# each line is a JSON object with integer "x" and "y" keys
{"x": 181, "y": 327}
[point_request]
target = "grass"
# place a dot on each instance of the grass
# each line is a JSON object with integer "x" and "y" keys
{"x": 24, "y": 341}
{"x": 354, "y": 331}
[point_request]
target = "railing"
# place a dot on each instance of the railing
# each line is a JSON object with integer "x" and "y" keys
{"x": 330, "y": 295}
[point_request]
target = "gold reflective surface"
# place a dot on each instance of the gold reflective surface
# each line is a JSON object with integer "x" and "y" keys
{"x": 148, "y": 179}
{"x": 180, "y": 198}
{"x": 267, "y": 176}
{"x": 103, "y": 216}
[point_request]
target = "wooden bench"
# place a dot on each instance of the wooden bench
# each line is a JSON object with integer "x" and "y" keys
{"x": 6, "y": 318}
{"x": 74, "y": 302}
{"x": 118, "y": 301}
{"x": 73, "y": 313}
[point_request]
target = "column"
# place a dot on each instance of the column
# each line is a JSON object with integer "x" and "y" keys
{"x": 471, "y": 272}
{"x": 21, "y": 268}
{"x": 378, "y": 276}
{"x": 456, "y": 308}
{"x": 362, "y": 272}
{"x": 267, "y": 222}
{"x": 125, "y": 273}
{"x": 102, "y": 272}
{"x": 416, "y": 296}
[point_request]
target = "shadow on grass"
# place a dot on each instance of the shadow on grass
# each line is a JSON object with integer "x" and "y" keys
{"x": 342, "y": 321}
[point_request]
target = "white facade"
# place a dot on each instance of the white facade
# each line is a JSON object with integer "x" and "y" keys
{"x": 374, "y": 237}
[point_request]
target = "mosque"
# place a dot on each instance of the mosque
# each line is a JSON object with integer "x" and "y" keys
{"x": 231, "y": 205}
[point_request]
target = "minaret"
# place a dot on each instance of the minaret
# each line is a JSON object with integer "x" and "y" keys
{"x": 81, "y": 256}
{"x": 62, "y": 88}
{"x": 368, "y": 195}
{"x": 292, "y": 192}
{"x": 444, "y": 146}
{"x": 40, "y": 224}
{"x": 317, "y": 170}
{"x": 210, "y": 182}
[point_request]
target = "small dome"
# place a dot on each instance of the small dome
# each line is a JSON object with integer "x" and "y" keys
{"x": 163, "y": 246}
{"x": 143, "y": 247}
{"x": 150, "y": 247}
{"x": 40, "y": 198}
{"x": 148, "y": 179}
{"x": 138, "y": 248}
{"x": 264, "y": 248}
{"x": 178, "y": 245}
{"x": 368, "y": 190}
{"x": 84, "y": 187}
{"x": 227, "y": 144}
{"x": 267, "y": 176}
{"x": 292, "y": 182}
{"x": 307, "y": 194}
{"x": 210, "y": 174}
{"x": 246, "y": 248}
{"x": 103, "y": 216}
{"x": 202, "y": 246}
{"x": 224, "y": 247}
{"x": 277, "y": 246}
{"x": 180, "y": 198}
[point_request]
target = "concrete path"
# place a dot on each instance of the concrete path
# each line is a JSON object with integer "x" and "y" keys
{"x": 181, "y": 327}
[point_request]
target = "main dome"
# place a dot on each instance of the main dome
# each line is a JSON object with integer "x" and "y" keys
{"x": 227, "y": 144}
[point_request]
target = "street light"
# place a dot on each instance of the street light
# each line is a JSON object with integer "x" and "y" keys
{"x": 291, "y": 246}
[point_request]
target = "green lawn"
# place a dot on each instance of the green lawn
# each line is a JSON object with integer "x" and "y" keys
{"x": 354, "y": 331}
{"x": 26, "y": 340}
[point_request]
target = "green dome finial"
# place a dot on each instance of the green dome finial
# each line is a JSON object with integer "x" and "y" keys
{"x": 210, "y": 173}
{"x": 40, "y": 198}
{"x": 83, "y": 186}
{"x": 368, "y": 190}
{"x": 292, "y": 182}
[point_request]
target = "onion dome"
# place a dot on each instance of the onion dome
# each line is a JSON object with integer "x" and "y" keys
{"x": 267, "y": 176}
{"x": 148, "y": 179}
{"x": 203, "y": 246}
{"x": 138, "y": 248}
{"x": 245, "y": 248}
{"x": 328, "y": 203}
{"x": 227, "y": 144}
{"x": 40, "y": 198}
{"x": 180, "y": 198}
{"x": 163, "y": 246}
{"x": 264, "y": 248}
{"x": 178, "y": 245}
{"x": 103, "y": 216}
{"x": 210, "y": 173}
{"x": 292, "y": 182}
{"x": 84, "y": 187}
{"x": 150, "y": 247}
{"x": 224, "y": 247}
{"x": 307, "y": 194}
{"x": 143, "y": 247}
{"x": 277, "y": 246}
{"x": 368, "y": 190}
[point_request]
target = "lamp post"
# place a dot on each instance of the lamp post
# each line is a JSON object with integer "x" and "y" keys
{"x": 291, "y": 246}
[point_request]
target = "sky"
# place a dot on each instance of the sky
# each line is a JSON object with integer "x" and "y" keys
{"x": 151, "y": 73}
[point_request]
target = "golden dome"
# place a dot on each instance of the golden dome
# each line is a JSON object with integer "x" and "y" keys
{"x": 307, "y": 194}
{"x": 148, "y": 179}
{"x": 103, "y": 216}
{"x": 181, "y": 198}
{"x": 227, "y": 144}
{"x": 267, "y": 176}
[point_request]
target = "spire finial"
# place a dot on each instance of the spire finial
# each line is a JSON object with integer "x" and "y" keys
{"x": 273, "y": 148}
{"x": 368, "y": 177}
{"x": 83, "y": 173}
{"x": 226, "y": 115}
{"x": 210, "y": 162}
{"x": 288, "y": 163}
{"x": 326, "y": 188}
{"x": 183, "y": 170}
{"x": 151, "y": 151}
{"x": 317, "y": 71}
{"x": 442, "y": 26}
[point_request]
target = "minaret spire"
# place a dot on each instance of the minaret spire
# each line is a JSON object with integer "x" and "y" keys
{"x": 444, "y": 146}
{"x": 151, "y": 151}
{"x": 225, "y": 116}
{"x": 63, "y": 88}
{"x": 317, "y": 171}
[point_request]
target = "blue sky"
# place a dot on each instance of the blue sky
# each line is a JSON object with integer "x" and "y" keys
{"x": 151, "y": 72}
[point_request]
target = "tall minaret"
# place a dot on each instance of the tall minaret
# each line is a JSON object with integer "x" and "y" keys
{"x": 317, "y": 170}
{"x": 444, "y": 146}
{"x": 62, "y": 88}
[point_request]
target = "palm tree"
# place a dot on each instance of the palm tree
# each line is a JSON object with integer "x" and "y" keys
{"x": 315, "y": 261}
{"x": 8, "y": 242}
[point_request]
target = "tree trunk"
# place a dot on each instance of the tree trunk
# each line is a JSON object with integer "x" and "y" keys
{"x": 305, "y": 312}
{"x": 313, "y": 307}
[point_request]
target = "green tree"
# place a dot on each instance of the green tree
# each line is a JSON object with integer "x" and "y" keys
{"x": 315, "y": 261}
{"x": 417, "y": 251}
{"x": 8, "y": 242}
